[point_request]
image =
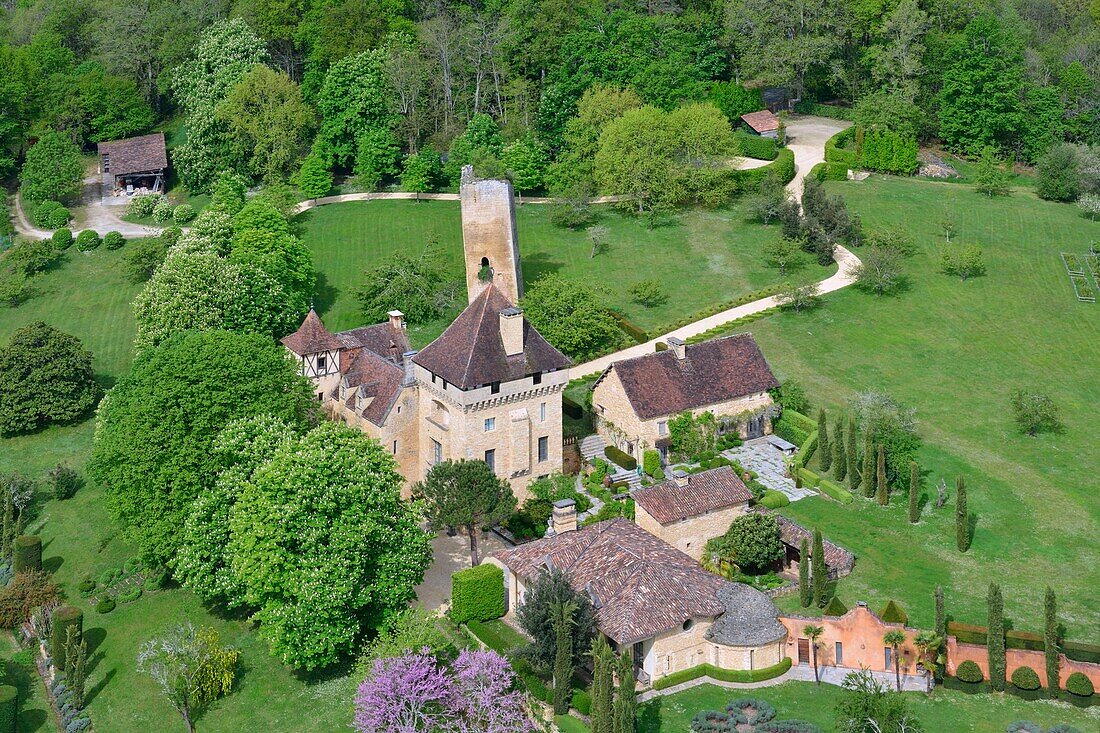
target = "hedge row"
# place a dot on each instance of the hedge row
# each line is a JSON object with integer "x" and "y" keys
{"x": 724, "y": 675}
{"x": 831, "y": 111}
{"x": 477, "y": 594}
{"x": 748, "y": 181}
{"x": 731, "y": 326}
{"x": 834, "y": 491}
{"x": 835, "y": 151}
{"x": 571, "y": 408}
{"x": 620, "y": 457}
{"x": 829, "y": 172}
{"x": 631, "y": 329}
{"x": 756, "y": 146}
{"x": 715, "y": 309}
{"x": 886, "y": 151}
{"x": 808, "y": 425}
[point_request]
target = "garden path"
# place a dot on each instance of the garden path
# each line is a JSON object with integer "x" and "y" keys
{"x": 762, "y": 458}
{"x": 797, "y": 673}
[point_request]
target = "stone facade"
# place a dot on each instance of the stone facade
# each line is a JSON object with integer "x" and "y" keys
{"x": 690, "y": 535}
{"x": 489, "y": 236}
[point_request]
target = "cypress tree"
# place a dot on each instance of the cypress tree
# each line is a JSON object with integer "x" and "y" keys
{"x": 804, "y": 593}
{"x": 868, "y": 466}
{"x": 562, "y": 615}
{"x": 881, "y": 492}
{"x": 626, "y": 704}
{"x": 602, "y": 660}
{"x": 914, "y": 490}
{"x": 1051, "y": 643}
{"x": 840, "y": 452}
{"x": 962, "y": 517}
{"x": 853, "y": 456}
{"x": 941, "y": 621}
{"x": 824, "y": 449}
{"x": 995, "y": 643}
{"x": 819, "y": 573}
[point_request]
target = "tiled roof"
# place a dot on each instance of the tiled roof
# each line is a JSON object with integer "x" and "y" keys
{"x": 792, "y": 534}
{"x": 136, "y": 154}
{"x": 751, "y": 619}
{"x": 311, "y": 337}
{"x": 711, "y": 371}
{"x": 707, "y": 491}
{"x": 383, "y": 339}
{"x": 470, "y": 353}
{"x": 375, "y": 377}
{"x": 762, "y": 121}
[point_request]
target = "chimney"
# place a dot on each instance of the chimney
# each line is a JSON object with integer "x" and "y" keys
{"x": 410, "y": 373}
{"x": 677, "y": 345}
{"x": 680, "y": 476}
{"x": 511, "y": 330}
{"x": 564, "y": 518}
{"x": 397, "y": 320}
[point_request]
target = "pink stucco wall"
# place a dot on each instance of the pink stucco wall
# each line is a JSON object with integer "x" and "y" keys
{"x": 959, "y": 652}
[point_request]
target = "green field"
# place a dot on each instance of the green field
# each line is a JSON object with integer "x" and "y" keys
{"x": 711, "y": 256}
{"x": 946, "y": 712}
{"x": 955, "y": 351}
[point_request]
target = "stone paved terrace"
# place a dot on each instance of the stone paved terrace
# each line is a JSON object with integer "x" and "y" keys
{"x": 764, "y": 459}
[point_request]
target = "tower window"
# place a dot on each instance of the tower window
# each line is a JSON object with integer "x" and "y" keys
{"x": 544, "y": 448}
{"x": 536, "y": 378}
{"x": 494, "y": 388}
{"x": 485, "y": 273}
{"x": 322, "y": 363}
{"x": 491, "y": 459}
{"x": 490, "y": 424}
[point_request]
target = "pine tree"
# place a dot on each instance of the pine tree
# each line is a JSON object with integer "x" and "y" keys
{"x": 626, "y": 704}
{"x": 840, "y": 452}
{"x": 914, "y": 490}
{"x": 824, "y": 449}
{"x": 853, "y": 456}
{"x": 995, "y": 641}
{"x": 882, "y": 494}
{"x": 820, "y": 574}
{"x": 562, "y": 615}
{"x": 805, "y": 595}
{"x": 1052, "y": 643}
{"x": 602, "y": 660}
{"x": 962, "y": 516}
{"x": 868, "y": 466}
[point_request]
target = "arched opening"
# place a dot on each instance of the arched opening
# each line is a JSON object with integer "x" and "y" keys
{"x": 485, "y": 274}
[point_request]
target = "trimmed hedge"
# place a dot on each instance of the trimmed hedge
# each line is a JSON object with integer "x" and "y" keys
{"x": 27, "y": 555}
{"x": 1080, "y": 685}
{"x": 774, "y": 499}
{"x": 806, "y": 424}
{"x": 835, "y": 151}
{"x": 63, "y": 618}
{"x": 887, "y": 151}
{"x": 834, "y": 491}
{"x": 620, "y": 457}
{"x": 788, "y": 431}
{"x": 748, "y": 181}
{"x": 724, "y": 675}
{"x": 893, "y": 614}
{"x": 477, "y": 594}
{"x": 62, "y": 239}
{"x": 87, "y": 240}
{"x": 835, "y": 607}
{"x": 809, "y": 479}
{"x": 969, "y": 671}
{"x": 1025, "y": 678}
{"x": 1080, "y": 652}
{"x": 973, "y": 634}
{"x": 9, "y": 708}
{"x": 113, "y": 240}
{"x": 582, "y": 701}
{"x": 756, "y": 146}
{"x": 816, "y": 109}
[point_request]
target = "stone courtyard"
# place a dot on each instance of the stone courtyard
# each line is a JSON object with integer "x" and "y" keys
{"x": 765, "y": 460}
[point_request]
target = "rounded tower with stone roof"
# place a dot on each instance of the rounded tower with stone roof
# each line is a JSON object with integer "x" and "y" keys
{"x": 489, "y": 240}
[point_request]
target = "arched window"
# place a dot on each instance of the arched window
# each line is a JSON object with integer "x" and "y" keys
{"x": 485, "y": 274}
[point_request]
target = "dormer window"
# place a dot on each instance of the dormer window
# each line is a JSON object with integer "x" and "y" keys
{"x": 343, "y": 390}
{"x": 359, "y": 401}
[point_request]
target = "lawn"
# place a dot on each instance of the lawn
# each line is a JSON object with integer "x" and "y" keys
{"x": 711, "y": 256}
{"x": 947, "y": 711}
{"x": 18, "y": 671}
{"x": 955, "y": 351}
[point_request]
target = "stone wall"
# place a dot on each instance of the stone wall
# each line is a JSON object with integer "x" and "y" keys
{"x": 959, "y": 652}
{"x": 690, "y": 535}
{"x": 489, "y": 233}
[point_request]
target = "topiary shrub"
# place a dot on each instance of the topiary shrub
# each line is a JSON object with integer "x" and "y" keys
{"x": 27, "y": 554}
{"x": 774, "y": 499}
{"x": 835, "y": 607}
{"x": 109, "y": 576}
{"x": 1078, "y": 684}
{"x": 87, "y": 240}
{"x": 477, "y": 594}
{"x": 1024, "y": 678}
{"x": 620, "y": 457}
{"x": 969, "y": 671}
{"x": 129, "y": 595}
{"x": 105, "y": 605}
{"x": 651, "y": 462}
{"x": 1063, "y": 728}
{"x": 113, "y": 240}
{"x": 183, "y": 213}
{"x": 86, "y": 587}
{"x": 64, "y": 618}
{"x": 1023, "y": 726}
{"x": 9, "y": 708}
{"x": 62, "y": 239}
{"x": 893, "y": 614}
{"x": 51, "y": 215}
{"x": 132, "y": 565}
{"x": 63, "y": 481}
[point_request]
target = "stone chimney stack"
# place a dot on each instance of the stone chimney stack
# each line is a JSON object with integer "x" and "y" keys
{"x": 397, "y": 320}
{"x": 409, "y": 379}
{"x": 511, "y": 330}
{"x": 680, "y": 476}
{"x": 677, "y": 345}
{"x": 564, "y": 518}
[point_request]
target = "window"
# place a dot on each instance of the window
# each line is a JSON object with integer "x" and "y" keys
{"x": 600, "y": 409}
{"x": 662, "y": 428}
{"x": 320, "y": 396}
{"x": 536, "y": 378}
{"x": 839, "y": 654}
{"x": 544, "y": 448}
{"x": 437, "y": 452}
{"x": 395, "y": 447}
{"x": 889, "y": 658}
{"x": 491, "y": 459}
{"x": 494, "y": 388}
{"x": 490, "y": 424}
{"x": 542, "y": 412}
{"x": 322, "y": 363}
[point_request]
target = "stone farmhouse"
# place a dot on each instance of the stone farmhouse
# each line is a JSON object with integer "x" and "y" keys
{"x": 136, "y": 164}
{"x": 634, "y": 399}
{"x": 488, "y": 388}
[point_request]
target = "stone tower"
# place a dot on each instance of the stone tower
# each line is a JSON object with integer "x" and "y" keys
{"x": 489, "y": 236}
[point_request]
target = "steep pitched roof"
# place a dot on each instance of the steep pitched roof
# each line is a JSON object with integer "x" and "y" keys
{"x": 470, "y": 353}
{"x": 383, "y": 339}
{"x": 311, "y": 337}
{"x": 762, "y": 121}
{"x": 136, "y": 154}
{"x": 711, "y": 371}
{"x": 375, "y": 377}
{"x": 707, "y": 491}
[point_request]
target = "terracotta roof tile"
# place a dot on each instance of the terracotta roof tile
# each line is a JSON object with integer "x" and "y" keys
{"x": 136, "y": 154}
{"x": 374, "y": 377}
{"x": 707, "y": 491}
{"x": 311, "y": 337}
{"x": 383, "y": 339}
{"x": 762, "y": 121}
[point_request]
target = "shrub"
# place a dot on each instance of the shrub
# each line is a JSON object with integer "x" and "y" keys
{"x": 1078, "y": 684}
{"x": 62, "y": 239}
{"x": 834, "y": 491}
{"x": 86, "y": 587}
{"x": 724, "y": 675}
{"x": 9, "y": 708}
{"x": 840, "y": 148}
{"x": 64, "y": 618}
{"x": 183, "y": 213}
{"x": 105, "y": 605}
{"x": 969, "y": 671}
{"x": 51, "y": 215}
{"x": 774, "y": 499}
{"x": 755, "y": 146}
{"x": 571, "y": 409}
{"x": 651, "y": 462}
{"x": 27, "y": 554}
{"x": 155, "y": 579}
{"x": 113, "y": 240}
{"x": 835, "y": 607}
{"x": 477, "y": 594}
{"x": 1063, "y": 728}
{"x": 582, "y": 701}
{"x": 162, "y": 212}
{"x": 132, "y": 565}
{"x": 23, "y": 593}
{"x": 893, "y": 614}
{"x": 1024, "y": 678}
{"x": 1080, "y": 652}
{"x": 63, "y": 481}
{"x": 129, "y": 595}
{"x": 621, "y": 458}
{"x": 142, "y": 206}
{"x": 748, "y": 181}
{"x": 87, "y": 240}
{"x": 109, "y": 576}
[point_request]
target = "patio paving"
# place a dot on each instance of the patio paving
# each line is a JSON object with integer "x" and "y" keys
{"x": 764, "y": 459}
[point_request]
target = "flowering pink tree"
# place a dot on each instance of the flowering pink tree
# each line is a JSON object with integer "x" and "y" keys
{"x": 486, "y": 695}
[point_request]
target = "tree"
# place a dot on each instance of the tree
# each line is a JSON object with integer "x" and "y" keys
{"x": 466, "y": 495}
{"x": 597, "y": 235}
{"x": 1059, "y": 174}
{"x": 633, "y": 158}
{"x": 418, "y": 287}
{"x": 995, "y": 640}
{"x": 52, "y": 170}
{"x": 526, "y": 161}
{"x": 805, "y": 593}
{"x": 626, "y": 703}
{"x": 408, "y": 632}
{"x": 551, "y": 588}
{"x": 602, "y": 690}
{"x": 820, "y": 572}
{"x": 891, "y": 425}
{"x": 928, "y": 646}
{"x": 882, "y": 491}
{"x": 487, "y": 696}
{"x": 840, "y": 453}
{"x": 914, "y": 493}
{"x": 561, "y": 616}
{"x": 894, "y": 639}
{"x": 314, "y": 177}
{"x": 867, "y": 707}
{"x": 853, "y": 456}
{"x": 152, "y": 452}
{"x": 963, "y": 261}
{"x": 799, "y": 297}
{"x": 941, "y": 614}
{"x": 356, "y": 97}
{"x": 824, "y": 450}
{"x": 990, "y": 177}
{"x": 570, "y": 315}
{"x": 782, "y": 254}
{"x": 879, "y": 271}
{"x": 191, "y": 667}
{"x": 752, "y": 542}
{"x": 767, "y": 204}
{"x": 962, "y": 516}
{"x": 481, "y": 145}
{"x": 1089, "y": 203}
{"x": 46, "y": 377}
{"x": 1052, "y": 642}
{"x": 323, "y": 546}
{"x": 1035, "y": 412}
{"x": 813, "y": 633}
{"x": 422, "y": 172}
{"x": 868, "y": 470}
{"x": 649, "y": 293}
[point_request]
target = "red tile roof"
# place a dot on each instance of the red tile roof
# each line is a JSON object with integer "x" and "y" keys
{"x": 374, "y": 377}
{"x": 136, "y": 154}
{"x": 311, "y": 337}
{"x": 707, "y": 491}
{"x": 762, "y": 121}
{"x": 791, "y": 533}
{"x": 383, "y": 339}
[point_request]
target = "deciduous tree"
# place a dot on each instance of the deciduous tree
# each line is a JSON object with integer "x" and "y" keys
{"x": 570, "y": 315}
{"x": 1035, "y": 412}
{"x": 191, "y": 668}
{"x": 52, "y": 170}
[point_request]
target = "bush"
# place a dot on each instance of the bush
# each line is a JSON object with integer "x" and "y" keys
{"x": 840, "y": 148}
{"x": 571, "y": 409}
{"x": 893, "y": 614}
{"x": 477, "y": 594}
{"x": 888, "y": 151}
{"x": 109, "y": 576}
{"x": 27, "y": 554}
{"x": 1023, "y": 726}
{"x": 51, "y": 215}
{"x": 621, "y": 458}
{"x": 162, "y": 212}
{"x": 113, "y": 240}
{"x": 132, "y": 565}
{"x": 1063, "y": 728}
{"x": 1024, "y": 678}
{"x": 142, "y": 206}
{"x": 582, "y": 701}
{"x": 831, "y": 111}
{"x": 129, "y": 595}
{"x": 86, "y": 587}
{"x": 969, "y": 671}
{"x": 834, "y": 491}
{"x": 748, "y": 181}
{"x": 183, "y": 213}
{"x": 774, "y": 499}
{"x": 724, "y": 675}
{"x": 1078, "y": 684}
{"x": 87, "y": 240}
{"x": 62, "y": 239}
{"x": 809, "y": 478}
{"x": 651, "y": 462}
{"x": 23, "y": 593}
{"x": 105, "y": 605}
{"x": 756, "y": 146}
{"x": 9, "y": 708}
{"x": 835, "y": 607}
{"x": 63, "y": 481}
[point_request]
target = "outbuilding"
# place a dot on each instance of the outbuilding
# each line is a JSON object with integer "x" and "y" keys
{"x": 763, "y": 123}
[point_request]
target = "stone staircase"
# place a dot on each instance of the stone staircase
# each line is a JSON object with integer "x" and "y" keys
{"x": 592, "y": 446}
